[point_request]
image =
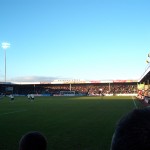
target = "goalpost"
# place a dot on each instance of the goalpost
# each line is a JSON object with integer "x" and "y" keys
{"x": 67, "y": 93}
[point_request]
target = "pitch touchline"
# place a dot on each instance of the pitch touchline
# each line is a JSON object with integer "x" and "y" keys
{"x": 12, "y": 112}
{"x": 134, "y": 102}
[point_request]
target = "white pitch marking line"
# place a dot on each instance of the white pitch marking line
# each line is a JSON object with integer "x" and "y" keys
{"x": 12, "y": 112}
{"x": 134, "y": 102}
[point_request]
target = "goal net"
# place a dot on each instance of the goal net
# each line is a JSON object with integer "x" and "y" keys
{"x": 67, "y": 93}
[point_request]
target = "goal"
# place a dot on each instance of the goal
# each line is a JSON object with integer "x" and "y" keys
{"x": 67, "y": 93}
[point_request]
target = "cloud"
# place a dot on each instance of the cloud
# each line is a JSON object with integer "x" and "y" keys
{"x": 33, "y": 79}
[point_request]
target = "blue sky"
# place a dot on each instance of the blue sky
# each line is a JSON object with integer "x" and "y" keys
{"x": 74, "y": 39}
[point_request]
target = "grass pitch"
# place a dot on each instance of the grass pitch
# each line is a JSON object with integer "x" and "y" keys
{"x": 69, "y": 123}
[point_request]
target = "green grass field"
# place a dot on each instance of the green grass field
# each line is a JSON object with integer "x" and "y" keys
{"x": 69, "y": 123}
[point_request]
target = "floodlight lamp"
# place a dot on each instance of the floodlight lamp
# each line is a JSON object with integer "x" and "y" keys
{"x": 5, "y": 45}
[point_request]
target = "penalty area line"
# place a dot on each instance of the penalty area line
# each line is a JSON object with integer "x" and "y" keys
{"x": 134, "y": 102}
{"x": 12, "y": 112}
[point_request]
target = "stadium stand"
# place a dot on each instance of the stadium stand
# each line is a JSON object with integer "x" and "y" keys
{"x": 90, "y": 88}
{"x": 144, "y": 86}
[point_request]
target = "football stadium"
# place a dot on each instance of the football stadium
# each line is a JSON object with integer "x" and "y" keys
{"x": 72, "y": 114}
{"x": 73, "y": 75}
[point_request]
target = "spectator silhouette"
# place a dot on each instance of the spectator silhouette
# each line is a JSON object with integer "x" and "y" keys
{"x": 33, "y": 141}
{"x": 133, "y": 131}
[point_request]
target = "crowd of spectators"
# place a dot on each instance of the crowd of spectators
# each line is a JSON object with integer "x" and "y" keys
{"x": 85, "y": 89}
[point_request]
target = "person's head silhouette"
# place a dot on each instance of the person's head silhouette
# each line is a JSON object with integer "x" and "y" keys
{"x": 133, "y": 131}
{"x": 33, "y": 141}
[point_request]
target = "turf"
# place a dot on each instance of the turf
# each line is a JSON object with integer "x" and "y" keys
{"x": 69, "y": 123}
